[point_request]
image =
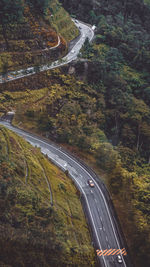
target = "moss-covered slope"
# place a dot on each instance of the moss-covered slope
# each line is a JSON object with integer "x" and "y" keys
{"x": 32, "y": 231}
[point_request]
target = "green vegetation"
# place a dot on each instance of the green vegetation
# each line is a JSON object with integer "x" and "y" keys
{"x": 61, "y": 21}
{"x": 28, "y": 29}
{"x": 103, "y": 110}
{"x": 147, "y": 2}
{"x": 118, "y": 68}
{"x": 32, "y": 231}
{"x": 95, "y": 119}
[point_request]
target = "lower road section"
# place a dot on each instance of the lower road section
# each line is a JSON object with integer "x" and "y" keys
{"x": 107, "y": 238}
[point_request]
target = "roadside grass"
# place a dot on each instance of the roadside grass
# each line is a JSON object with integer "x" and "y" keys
{"x": 66, "y": 203}
{"x": 5, "y": 134}
{"x": 62, "y": 22}
{"x": 3, "y": 144}
{"x": 30, "y": 202}
{"x": 22, "y": 97}
{"x": 147, "y": 2}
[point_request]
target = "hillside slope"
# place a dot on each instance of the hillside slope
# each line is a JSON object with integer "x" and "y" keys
{"x": 28, "y": 31}
{"x": 32, "y": 231}
{"x": 117, "y": 67}
{"x": 101, "y": 110}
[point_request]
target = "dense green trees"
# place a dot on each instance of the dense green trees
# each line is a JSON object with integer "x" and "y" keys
{"x": 10, "y": 11}
{"x": 91, "y": 10}
{"x": 41, "y": 5}
{"x": 121, "y": 58}
{"x": 118, "y": 62}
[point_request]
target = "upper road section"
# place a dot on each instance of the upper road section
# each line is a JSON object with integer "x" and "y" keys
{"x": 85, "y": 32}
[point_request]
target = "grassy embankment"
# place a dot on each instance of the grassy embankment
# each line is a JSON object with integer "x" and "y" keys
{"x": 147, "y": 1}
{"x": 33, "y": 232}
{"x": 62, "y": 22}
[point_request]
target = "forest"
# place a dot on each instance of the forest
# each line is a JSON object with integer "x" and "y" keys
{"x": 119, "y": 65}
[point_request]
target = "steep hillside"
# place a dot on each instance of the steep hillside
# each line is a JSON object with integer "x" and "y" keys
{"x": 100, "y": 107}
{"x": 28, "y": 31}
{"x": 117, "y": 66}
{"x": 106, "y": 116}
{"x": 32, "y": 231}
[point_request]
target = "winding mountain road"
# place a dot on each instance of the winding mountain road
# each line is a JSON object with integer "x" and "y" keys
{"x": 85, "y": 32}
{"x": 106, "y": 234}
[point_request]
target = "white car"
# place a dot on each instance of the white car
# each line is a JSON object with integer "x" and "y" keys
{"x": 72, "y": 51}
{"x": 119, "y": 259}
{"x": 91, "y": 183}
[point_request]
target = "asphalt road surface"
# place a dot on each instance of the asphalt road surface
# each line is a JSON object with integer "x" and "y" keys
{"x": 106, "y": 234}
{"x": 85, "y": 32}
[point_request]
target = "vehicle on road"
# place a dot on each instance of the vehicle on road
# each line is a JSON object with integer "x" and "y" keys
{"x": 25, "y": 72}
{"x": 82, "y": 177}
{"x": 91, "y": 183}
{"x": 119, "y": 259}
{"x": 72, "y": 51}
